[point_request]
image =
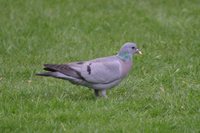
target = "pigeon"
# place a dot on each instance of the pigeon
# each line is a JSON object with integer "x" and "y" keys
{"x": 99, "y": 74}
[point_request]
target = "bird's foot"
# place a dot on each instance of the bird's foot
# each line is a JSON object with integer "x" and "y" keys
{"x": 103, "y": 93}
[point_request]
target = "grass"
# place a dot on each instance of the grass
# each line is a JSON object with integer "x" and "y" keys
{"x": 161, "y": 93}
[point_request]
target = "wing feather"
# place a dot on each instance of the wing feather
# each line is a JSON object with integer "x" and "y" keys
{"x": 101, "y": 72}
{"x": 64, "y": 69}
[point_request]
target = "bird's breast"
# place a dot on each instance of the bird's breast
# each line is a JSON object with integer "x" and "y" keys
{"x": 125, "y": 68}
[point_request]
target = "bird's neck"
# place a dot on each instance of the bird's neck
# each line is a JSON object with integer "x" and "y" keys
{"x": 125, "y": 56}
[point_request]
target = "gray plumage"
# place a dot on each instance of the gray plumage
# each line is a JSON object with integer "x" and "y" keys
{"x": 99, "y": 74}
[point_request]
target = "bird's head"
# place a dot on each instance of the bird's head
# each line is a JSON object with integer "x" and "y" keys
{"x": 128, "y": 50}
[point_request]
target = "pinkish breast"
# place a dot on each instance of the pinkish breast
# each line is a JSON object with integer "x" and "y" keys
{"x": 126, "y": 67}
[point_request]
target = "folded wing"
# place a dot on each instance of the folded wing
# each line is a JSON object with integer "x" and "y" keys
{"x": 95, "y": 72}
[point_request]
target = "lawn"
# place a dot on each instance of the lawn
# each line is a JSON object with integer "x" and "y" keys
{"x": 161, "y": 93}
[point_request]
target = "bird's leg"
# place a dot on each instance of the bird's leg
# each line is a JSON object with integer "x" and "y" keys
{"x": 96, "y": 92}
{"x": 103, "y": 93}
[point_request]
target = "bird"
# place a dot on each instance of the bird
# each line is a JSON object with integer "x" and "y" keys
{"x": 99, "y": 74}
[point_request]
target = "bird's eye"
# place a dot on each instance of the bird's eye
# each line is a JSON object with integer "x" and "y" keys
{"x": 133, "y": 47}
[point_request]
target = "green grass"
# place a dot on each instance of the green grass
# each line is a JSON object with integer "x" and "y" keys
{"x": 161, "y": 93}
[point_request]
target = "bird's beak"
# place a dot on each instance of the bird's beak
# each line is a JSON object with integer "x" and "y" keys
{"x": 138, "y": 51}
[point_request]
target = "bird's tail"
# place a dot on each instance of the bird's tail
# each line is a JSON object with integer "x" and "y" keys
{"x": 49, "y": 74}
{"x": 56, "y": 75}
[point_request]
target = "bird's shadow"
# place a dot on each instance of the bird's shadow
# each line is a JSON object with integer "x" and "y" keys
{"x": 77, "y": 95}
{"x": 80, "y": 95}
